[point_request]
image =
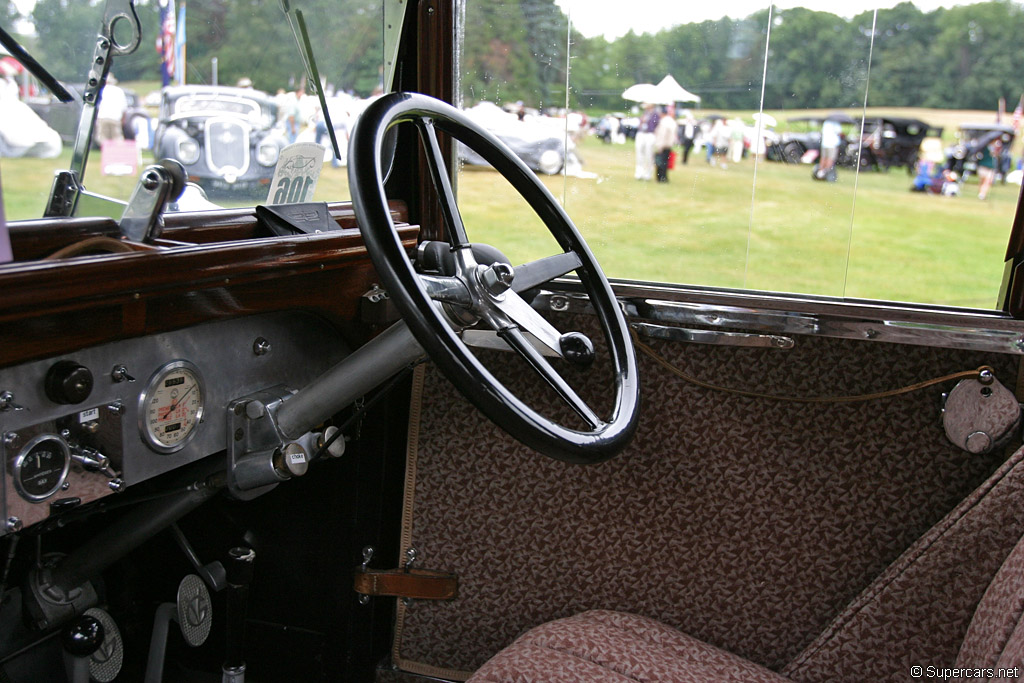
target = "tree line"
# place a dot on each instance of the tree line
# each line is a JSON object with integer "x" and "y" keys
{"x": 958, "y": 58}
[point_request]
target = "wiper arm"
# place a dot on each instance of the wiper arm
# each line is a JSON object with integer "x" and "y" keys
{"x": 34, "y": 67}
{"x": 298, "y": 26}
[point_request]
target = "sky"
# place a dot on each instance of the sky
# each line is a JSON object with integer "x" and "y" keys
{"x": 609, "y": 18}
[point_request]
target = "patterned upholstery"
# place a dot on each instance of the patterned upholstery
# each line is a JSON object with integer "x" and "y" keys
{"x": 879, "y": 637}
{"x": 611, "y": 647}
{"x": 918, "y": 610}
{"x": 995, "y": 638}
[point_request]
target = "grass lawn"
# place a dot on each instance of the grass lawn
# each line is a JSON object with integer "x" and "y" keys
{"x": 786, "y": 232}
{"x": 710, "y": 225}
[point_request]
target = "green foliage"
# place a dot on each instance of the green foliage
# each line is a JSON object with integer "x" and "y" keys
{"x": 963, "y": 57}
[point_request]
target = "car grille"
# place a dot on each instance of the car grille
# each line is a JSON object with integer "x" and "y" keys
{"x": 227, "y": 147}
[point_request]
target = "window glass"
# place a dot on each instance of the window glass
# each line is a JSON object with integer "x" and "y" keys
{"x": 849, "y": 146}
{"x": 231, "y": 102}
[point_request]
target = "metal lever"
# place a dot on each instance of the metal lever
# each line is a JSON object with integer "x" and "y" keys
{"x": 116, "y": 13}
{"x": 159, "y": 184}
{"x": 92, "y": 460}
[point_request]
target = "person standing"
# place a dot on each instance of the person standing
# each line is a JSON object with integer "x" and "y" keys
{"x": 664, "y": 139}
{"x": 687, "y": 136}
{"x": 987, "y": 162}
{"x": 831, "y": 136}
{"x": 110, "y": 111}
{"x": 645, "y": 143}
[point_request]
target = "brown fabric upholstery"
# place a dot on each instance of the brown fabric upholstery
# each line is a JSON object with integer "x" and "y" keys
{"x": 995, "y": 638}
{"x": 724, "y": 510}
{"x": 612, "y": 647}
{"x": 918, "y": 611}
{"x": 878, "y": 638}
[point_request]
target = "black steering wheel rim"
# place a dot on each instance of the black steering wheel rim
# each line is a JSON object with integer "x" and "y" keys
{"x": 427, "y": 323}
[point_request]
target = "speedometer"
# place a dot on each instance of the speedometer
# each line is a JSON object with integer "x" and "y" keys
{"x": 171, "y": 408}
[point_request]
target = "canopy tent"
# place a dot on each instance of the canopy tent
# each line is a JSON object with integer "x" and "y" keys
{"x": 668, "y": 91}
{"x": 670, "y": 86}
{"x": 645, "y": 92}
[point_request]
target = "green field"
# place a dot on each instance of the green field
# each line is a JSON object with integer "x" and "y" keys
{"x": 786, "y": 232}
{"x": 712, "y": 226}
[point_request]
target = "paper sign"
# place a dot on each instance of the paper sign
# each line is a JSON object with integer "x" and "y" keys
{"x": 296, "y": 174}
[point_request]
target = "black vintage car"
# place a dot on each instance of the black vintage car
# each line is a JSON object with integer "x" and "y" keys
{"x": 224, "y": 137}
{"x": 431, "y": 430}
{"x": 889, "y": 142}
{"x": 972, "y": 138}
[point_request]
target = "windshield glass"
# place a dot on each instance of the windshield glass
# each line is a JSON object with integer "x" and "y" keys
{"x": 231, "y": 59}
{"x": 805, "y": 147}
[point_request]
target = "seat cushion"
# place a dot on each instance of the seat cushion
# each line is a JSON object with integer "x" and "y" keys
{"x": 602, "y": 645}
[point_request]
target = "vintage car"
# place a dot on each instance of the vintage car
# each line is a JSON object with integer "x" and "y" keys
{"x": 63, "y": 117}
{"x": 223, "y": 136}
{"x": 443, "y": 426}
{"x": 888, "y": 142}
{"x": 792, "y": 146}
{"x": 972, "y": 138}
{"x": 540, "y": 141}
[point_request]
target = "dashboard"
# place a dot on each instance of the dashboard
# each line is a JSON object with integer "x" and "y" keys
{"x": 93, "y": 423}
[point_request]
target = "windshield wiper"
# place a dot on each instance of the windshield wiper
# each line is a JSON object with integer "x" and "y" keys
{"x": 298, "y": 26}
{"x": 34, "y": 67}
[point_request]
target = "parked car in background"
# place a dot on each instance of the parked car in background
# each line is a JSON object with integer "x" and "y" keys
{"x": 63, "y": 117}
{"x": 889, "y": 141}
{"x": 223, "y": 136}
{"x": 972, "y": 138}
{"x": 540, "y": 141}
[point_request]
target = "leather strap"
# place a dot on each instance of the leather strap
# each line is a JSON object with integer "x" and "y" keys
{"x": 419, "y": 584}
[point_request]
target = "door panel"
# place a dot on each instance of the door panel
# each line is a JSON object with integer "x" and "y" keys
{"x": 747, "y": 522}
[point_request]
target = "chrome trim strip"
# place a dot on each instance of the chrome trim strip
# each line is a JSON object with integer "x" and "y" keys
{"x": 922, "y": 326}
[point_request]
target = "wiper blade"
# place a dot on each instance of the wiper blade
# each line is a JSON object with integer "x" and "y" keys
{"x": 34, "y": 67}
{"x": 298, "y": 26}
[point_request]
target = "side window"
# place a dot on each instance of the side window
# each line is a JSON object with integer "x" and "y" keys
{"x": 870, "y": 153}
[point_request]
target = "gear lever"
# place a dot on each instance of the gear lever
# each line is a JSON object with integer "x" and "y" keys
{"x": 82, "y": 638}
{"x": 239, "y": 575}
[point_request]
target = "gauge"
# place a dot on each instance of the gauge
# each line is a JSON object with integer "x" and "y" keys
{"x": 171, "y": 408}
{"x": 41, "y": 467}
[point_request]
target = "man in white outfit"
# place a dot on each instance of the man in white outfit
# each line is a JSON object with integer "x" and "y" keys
{"x": 645, "y": 143}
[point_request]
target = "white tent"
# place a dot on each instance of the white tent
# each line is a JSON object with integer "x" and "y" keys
{"x": 646, "y": 92}
{"x": 671, "y": 89}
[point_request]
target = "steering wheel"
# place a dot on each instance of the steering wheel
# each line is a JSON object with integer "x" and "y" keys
{"x": 449, "y": 288}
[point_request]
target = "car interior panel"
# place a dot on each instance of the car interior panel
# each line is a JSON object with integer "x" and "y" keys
{"x": 342, "y": 436}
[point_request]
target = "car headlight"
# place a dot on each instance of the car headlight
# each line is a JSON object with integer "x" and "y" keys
{"x": 188, "y": 151}
{"x": 267, "y": 153}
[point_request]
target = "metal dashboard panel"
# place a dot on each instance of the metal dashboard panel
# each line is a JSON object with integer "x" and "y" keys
{"x": 235, "y": 357}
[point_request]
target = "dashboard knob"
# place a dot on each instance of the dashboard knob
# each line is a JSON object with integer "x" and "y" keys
{"x": 291, "y": 461}
{"x": 68, "y": 382}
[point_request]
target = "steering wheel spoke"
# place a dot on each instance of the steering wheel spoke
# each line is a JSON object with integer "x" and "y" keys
{"x": 439, "y": 173}
{"x": 523, "y": 316}
{"x": 535, "y": 273}
{"x": 515, "y": 338}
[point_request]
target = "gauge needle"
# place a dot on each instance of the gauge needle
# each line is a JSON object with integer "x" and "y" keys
{"x": 175, "y": 404}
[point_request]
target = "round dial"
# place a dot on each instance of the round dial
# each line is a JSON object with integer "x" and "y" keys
{"x": 41, "y": 467}
{"x": 171, "y": 407}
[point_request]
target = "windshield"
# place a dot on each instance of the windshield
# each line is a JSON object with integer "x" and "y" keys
{"x": 225, "y": 60}
{"x": 814, "y": 150}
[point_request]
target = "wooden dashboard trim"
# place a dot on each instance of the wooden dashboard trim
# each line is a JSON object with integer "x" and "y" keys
{"x": 55, "y": 307}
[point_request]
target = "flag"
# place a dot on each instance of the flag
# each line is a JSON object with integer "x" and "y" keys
{"x": 1017, "y": 114}
{"x": 179, "y": 67}
{"x": 165, "y": 42}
